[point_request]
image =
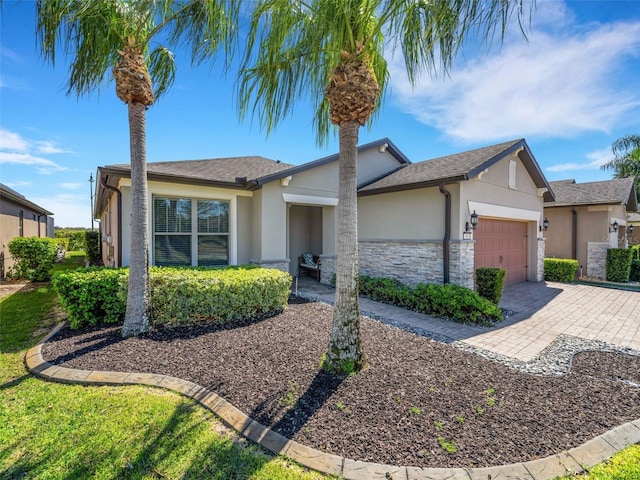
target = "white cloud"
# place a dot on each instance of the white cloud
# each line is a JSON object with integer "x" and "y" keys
{"x": 69, "y": 210}
{"x": 42, "y": 165}
{"x": 562, "y": 83}
{"x": 18, "y": 184}
{"x": 48, "y": 148}
{"x": 597, "y": 159}
{"x": 12, "y": 141}
{"x": 17, "y": 150}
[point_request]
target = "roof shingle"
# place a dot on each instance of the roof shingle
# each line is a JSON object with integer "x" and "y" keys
{"x": 616, "y": 191}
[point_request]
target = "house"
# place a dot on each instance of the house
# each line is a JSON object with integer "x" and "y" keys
{"x": 586, "y": 219}
{"x": 414, "y": 219}
{"x": 20, "y": 217}
{"x": 633, "y": 228}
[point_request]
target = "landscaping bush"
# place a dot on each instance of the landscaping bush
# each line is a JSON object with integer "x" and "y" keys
{"x": 634, "y": 274}
{"x": 92, "y": 248}
{"x": 93, "y": 295}
{"x": 618, "y": 264}
{"x": 182, "y": 295}
{"x": 178, "y": 295}
{"x": 560, "y": 269}
{"x": 447, "y": 301}
{"x": 490, "y": 283}
{"x": 75, "y": 238}
{"x": 33, "y": 257}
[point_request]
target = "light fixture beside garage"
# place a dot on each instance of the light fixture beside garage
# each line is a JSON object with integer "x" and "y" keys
{"x": 545, "y": 224}
{"x": 614, "y": 226}
{"x": 468, "y": 226}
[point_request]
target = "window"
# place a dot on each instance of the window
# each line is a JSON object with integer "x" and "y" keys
{"x": 21, "y": 223}
{"x": 190, "y": 232}
{"x": 512, "y": 174}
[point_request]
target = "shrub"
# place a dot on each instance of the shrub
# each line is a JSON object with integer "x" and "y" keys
{"x": 618, "y": 264}
{"x": 635, "y": 249}
{"x": 92, "y": 247}
{"x": 33, "y": 257}
{"x": 560, "y": 269}
{"x": 634, "y": 274}
{"x": 93, "y": 295}
{"x": 448, "y": 301}
{"x": 75, "y": 238}
{"x": 490, "y": 283}
{"x": 178, "y": 295}
{"x": 181, "y": 295}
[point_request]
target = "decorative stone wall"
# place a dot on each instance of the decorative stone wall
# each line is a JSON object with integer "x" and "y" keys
{"x": 280, "y": 264}
{"x": 327, "y": 268}
{"x": 411, "y": 262}
{"x": 540, "y": 260}
{"x": 597, "y": 259}
{"x": 461, "y": 263}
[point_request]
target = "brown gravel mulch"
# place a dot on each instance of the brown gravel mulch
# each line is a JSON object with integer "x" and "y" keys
{"x": 416, "y": 398}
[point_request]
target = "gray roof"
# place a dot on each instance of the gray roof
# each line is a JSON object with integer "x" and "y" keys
{"x": 457, "y": 167}
{"x": 230, "y": 171}
{"x": 619, "y": 191}
{"x": 12, "y": 195}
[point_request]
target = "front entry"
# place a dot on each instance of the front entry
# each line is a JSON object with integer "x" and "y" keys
{"x": 305, "y": 233}
{"x": 502, "y": 244}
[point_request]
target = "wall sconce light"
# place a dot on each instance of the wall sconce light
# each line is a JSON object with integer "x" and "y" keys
{"x": 474, "y": 220}
{"x": 614, "y": 225}
{"x": 630, "y": 228}
{"x": 545, "y": 224}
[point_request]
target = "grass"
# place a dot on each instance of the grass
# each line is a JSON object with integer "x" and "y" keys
{"x": 55, "y": 431}
{"x": 624, "y": 465}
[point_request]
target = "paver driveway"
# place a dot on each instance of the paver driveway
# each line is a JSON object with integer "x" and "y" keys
{"x": 546, "y": 310}
{"x": 543, "y": 311}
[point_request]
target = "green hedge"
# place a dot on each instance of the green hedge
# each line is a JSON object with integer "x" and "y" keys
{"x": 446, "y": 301}
{"x": 490, "y": 283}
{"x": 92, "y": 248}
{"x": 93, "y": 295}
{"x": 634, "y": 274}
{"x": 75, "y": 238}
{"x": 619, "y": 264}
{"x": 33, "y": 257}
{"x": 560, "y": 269}
{"x": 178, "y": 295}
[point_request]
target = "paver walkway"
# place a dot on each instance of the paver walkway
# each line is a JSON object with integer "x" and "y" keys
{"x": 543, "y": 311}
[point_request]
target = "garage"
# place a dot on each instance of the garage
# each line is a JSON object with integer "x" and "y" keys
{"x": 503, "y": 244}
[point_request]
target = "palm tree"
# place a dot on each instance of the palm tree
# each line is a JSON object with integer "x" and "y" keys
{"x": 626, "y": 161}
{"x": 114, "y": 36}
{"x": 331, "y": 51}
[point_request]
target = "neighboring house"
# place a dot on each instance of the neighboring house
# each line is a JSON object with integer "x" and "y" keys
{"x": 20, "y": 217}
{"x": 633, "y": 228}
{"x": 255, "y": 210}
{"x": 586, "y": 219}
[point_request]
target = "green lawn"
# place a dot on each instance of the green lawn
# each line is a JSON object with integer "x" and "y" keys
{"x": 55, "y": 431}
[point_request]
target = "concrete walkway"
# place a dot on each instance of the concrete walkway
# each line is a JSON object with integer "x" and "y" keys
{"x": 542, "y": 312}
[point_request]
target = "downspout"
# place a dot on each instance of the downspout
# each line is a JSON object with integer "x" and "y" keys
{"x": 574, "y": 234}
{"x": 119, "y": 194}
{"x": 447, "y": 232}
{"x": 40, "y": 215}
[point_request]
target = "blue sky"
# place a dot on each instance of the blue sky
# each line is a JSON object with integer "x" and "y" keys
{"x": 571, "y": 90}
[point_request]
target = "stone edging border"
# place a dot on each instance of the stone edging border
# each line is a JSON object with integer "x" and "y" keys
{"x": 572, "y": 461}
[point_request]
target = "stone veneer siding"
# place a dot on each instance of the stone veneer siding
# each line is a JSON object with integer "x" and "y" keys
{"x": 280, "y": 264}
{"x": 327, "y": 268}
{"x": 540, "y": 260}
{"x": 597, "y": 259}
{"x": 461, "y": 263}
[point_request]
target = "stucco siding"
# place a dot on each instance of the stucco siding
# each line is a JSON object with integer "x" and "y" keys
{"x": 274, "y": 223}
{"x": 405, "y": 215}
{"x": 245, "y": 234}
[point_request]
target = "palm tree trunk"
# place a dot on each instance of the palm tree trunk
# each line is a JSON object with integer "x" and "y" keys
{"x": 345, "y": 349}
{"x": 138, "y": 315}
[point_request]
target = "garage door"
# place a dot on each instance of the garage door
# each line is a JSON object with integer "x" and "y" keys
{"x": 503, "y": 244}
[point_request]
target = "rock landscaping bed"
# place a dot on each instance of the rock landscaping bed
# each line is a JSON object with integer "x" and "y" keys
{"x": 419, "y": 402}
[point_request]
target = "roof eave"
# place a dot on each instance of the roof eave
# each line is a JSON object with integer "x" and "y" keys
{"x": 27, "y": 203}
{"x": 412, "y": 186}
